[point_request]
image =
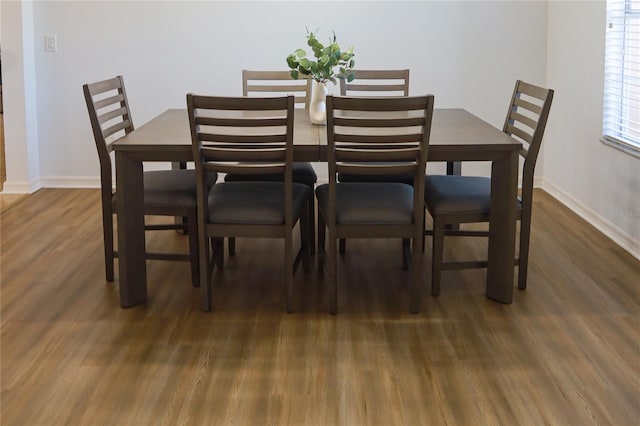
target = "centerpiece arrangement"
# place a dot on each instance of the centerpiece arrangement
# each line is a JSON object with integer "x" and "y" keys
{"x": 330, "y": 64}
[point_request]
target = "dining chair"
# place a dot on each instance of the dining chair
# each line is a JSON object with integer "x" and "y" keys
{"x": 369, "y": 82}
{"x": 279, "y": 83}
{"x": 374, "y": 136}
{"x": 247, "y": 136}
{"x": 454, "y": 200}
{"x": 166, "y": 192}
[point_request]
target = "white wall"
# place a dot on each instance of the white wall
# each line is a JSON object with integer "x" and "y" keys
{"x": 599, "y": 182}
{"x": 19, "y": 97}
{"x": 467, "y": 53}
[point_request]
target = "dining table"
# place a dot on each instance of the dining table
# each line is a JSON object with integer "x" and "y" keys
{"x": 456, "y": 135}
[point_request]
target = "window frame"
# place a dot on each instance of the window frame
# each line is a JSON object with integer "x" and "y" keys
{"x": 619, "y": 80}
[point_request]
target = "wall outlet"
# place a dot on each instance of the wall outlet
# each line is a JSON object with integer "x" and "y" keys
{"x": 50, "y": 43}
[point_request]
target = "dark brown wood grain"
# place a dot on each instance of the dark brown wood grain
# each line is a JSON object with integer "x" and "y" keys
{"x": 565, "y": 353}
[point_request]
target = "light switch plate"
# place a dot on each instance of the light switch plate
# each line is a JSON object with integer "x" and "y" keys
{"x": 50, "y": 43}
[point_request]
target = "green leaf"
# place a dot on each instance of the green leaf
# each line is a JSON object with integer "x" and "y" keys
{"x": 291, "y": 61}
{"x": 328, "y": 62}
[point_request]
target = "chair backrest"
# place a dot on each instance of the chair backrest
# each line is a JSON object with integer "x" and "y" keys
{"x": 110, "y": 118}
{"x": 242, "y": 135}
{"x": 526, "y": 121}
{"x": 376, "y": 82}
{"x": 379, "y": 136}
{"x": 276, "y": 83}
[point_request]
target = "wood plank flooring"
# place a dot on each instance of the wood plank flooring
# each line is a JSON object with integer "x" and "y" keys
{"x": 566, "y": 352}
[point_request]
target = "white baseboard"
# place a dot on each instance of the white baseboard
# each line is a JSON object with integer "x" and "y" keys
{"x": 616, "y": 234}
{"x": 10, "y": 187}
{"x": 70, "y": 182}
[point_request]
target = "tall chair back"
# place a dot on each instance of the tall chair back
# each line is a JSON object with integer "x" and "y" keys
{"x": 276, "y": 83}
{"x": 110, "y": 118}
{"x": 377, "y": 83}
{"x": 526, "y": 121}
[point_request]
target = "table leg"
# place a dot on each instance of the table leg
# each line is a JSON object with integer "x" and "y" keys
{"x": 502, "y": 228}
{"x": 131, "y": 244}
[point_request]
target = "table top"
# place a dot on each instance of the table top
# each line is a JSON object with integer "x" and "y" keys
{"x": 456, "y": 134}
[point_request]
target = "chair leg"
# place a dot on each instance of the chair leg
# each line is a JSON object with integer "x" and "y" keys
{"x": 232, "y": 246}
{"x": 332, "y": 268}
{"x": 343, "y": 245}
{"x": 523, "y": 254}
{"x": 107, "y": 235}
{"x": 205, "y": 265}
{"x": 415, "y": 292}
{"x": 437, "y": 256}
{"x": 424, "y": 227}
{"x": 406, "y": 253}
{"x": 321, "y": 242}
{"x": 219, "y": 257}
{"x": 305, "y": 234}
{"x": 288, "y": 270}
{"x": 311, "y": 206}
{"x": 192, "y": 234}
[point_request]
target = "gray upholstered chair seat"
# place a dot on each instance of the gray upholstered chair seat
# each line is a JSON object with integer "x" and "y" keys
{"x": 457, "y": 194}
{"x": 369, "y": 203}
{"x": 253, "y": 202}
{"x": 302, "y": 173}
{"x": 171, "y": 188}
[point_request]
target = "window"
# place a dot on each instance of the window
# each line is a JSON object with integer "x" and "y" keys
{"x": 621, "y": 121}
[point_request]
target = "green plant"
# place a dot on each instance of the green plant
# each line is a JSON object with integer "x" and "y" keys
{"x": 328, "y": 59}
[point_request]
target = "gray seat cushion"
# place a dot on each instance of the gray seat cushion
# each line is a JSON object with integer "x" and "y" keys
{"x": 302, "y": 173}
{"x": 253, "y": 202}
{"x": 172, "y": 187}
{"x": 369, "y": 203}
{"x": 457, "y": 194}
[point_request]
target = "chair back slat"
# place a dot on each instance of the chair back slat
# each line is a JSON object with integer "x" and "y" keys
{"x": 110, "y": 131}
{"x": 378, "y": 139}
{"x": 276, "y": 83}
{"x": 373, "y": 154}
{"x": 520, "y": 133}
{"x": 241, "y": 139}
{"x": 381, "y": 122}
{"x": 102, "y": 103}
{"x": 244, "y": 153}
{"x": 241, "y": 121}
{"x": 372, "y": 82}
{"x": 536, "y": 109}
{"x": 527, "y": 121}
{"x": 110, "y": 115}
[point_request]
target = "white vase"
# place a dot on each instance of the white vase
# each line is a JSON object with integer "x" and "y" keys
{"x": 318, "y": 105}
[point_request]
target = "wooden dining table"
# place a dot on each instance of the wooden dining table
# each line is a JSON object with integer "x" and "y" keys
{"x": 456, "y": 135}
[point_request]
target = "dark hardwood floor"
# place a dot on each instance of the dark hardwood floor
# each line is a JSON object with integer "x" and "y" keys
{"x": 566, "y": 352}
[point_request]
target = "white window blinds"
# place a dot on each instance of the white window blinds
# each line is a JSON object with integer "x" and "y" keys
{"x": 621, "y": 121}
